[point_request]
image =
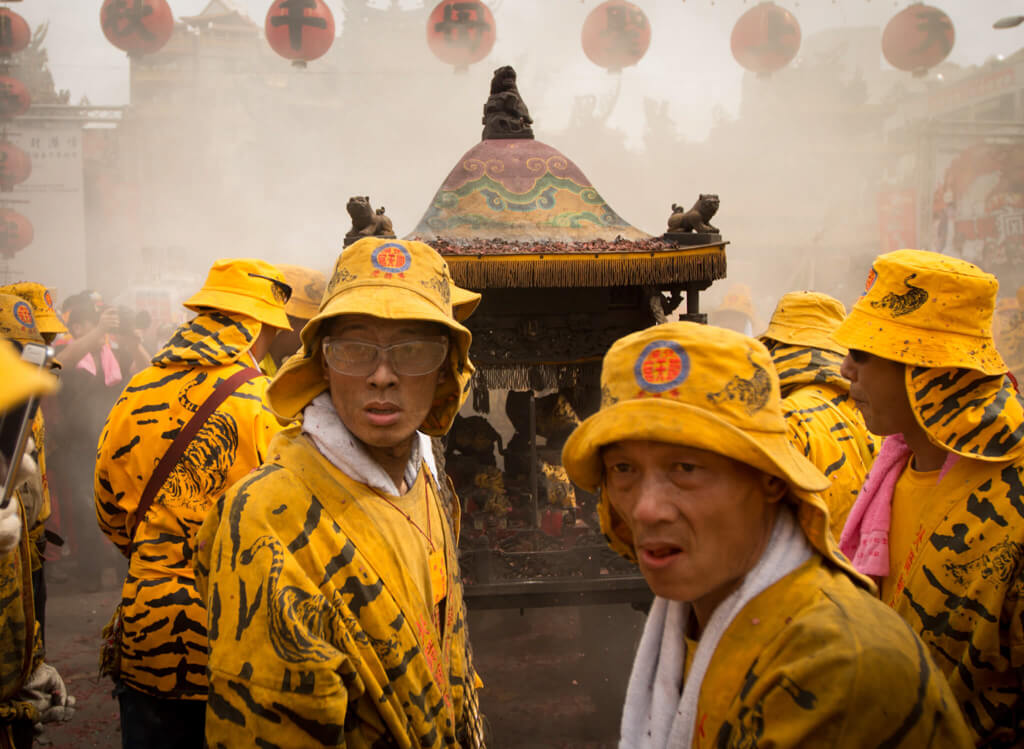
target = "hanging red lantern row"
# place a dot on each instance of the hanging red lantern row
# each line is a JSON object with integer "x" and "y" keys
{"x": 461, "y": 32}
{"x": 14, "y": 98}
{"x": 15, "y": 166}
{"x": 299, "y": 30}
{"x": 917, "y": 38}
{"x": 766, "y": 38}
{"x": 139, "y": 27}
{"x": 14, "y": 33}
{"x": 616, "y": 35}
{"x": 16, "y": 232}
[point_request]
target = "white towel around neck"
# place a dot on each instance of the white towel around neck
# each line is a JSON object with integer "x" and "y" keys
{"x": 656, "y": 715}
{"x": 346, "y": 453}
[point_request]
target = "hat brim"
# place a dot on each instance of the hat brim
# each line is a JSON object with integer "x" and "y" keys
{"x": 243, "y": 304}
{"x": 891, "y": 339}
{"x": 23, "y": 382}
{"x": 48, "y": 322}
{"x": 801, "y": 337}
{"x": 301, "y": 309}
{"x": 464, "y": 302}
{"x": 301, "y": 379}
{"x": 643, "y": 419}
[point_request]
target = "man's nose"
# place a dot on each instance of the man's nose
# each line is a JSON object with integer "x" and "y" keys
{"x": 651, "y": 506}
{"x": 848, "y": 369}
{"x": 384, "y": 375}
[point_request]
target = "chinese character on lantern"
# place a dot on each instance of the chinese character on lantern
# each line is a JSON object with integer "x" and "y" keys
{"x": 461, "y": 32}
{"x": 139, "y": 27}
{"x": 766, "y": 38}
{"x": 616, "y": 34}
{"x": 299, "y": 30}
{"x": 14, "y": 33}
{"x": 917, "y": 38}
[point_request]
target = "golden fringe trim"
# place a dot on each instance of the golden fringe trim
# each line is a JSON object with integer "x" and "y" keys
{"x": 532, "y": 376}
{"x": 592, "y": 269}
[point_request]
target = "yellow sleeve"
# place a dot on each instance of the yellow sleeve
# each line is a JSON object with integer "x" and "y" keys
{"x": 819, "y": 691}
{"x": 110, "y": 513}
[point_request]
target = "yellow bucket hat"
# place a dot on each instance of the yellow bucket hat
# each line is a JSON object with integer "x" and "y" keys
{"x": 17, "y": 322}
{"x": 927, "y": 310}
{"x": 704, "y": 387}
{"x": 21, "y": 380}
{"x": 806, "y": 318}
{"x": 307, "y": 290}
{"x": 47, "y": 319}
{"x": 391, "y": 279}
{"x": 247, "y": 286}
{"x": 694, "y": 385}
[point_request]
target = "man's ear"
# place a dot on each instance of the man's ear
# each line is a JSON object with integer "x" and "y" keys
{"x": 774, "y": 487}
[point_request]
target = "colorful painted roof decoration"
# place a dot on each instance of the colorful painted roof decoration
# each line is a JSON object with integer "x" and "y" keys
{"x": 515, "y": 212}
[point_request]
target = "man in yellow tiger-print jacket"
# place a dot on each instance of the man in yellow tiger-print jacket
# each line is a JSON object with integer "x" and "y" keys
{"x": 162, "y": 683}
{"x": 331, "y": 573}
{"x": 49, "y": 326}
{"x": 822, "y": 421}
{"x": 940, "y": 519}
{"x": 31, "y": 691}
{"x": 761, "y": 634}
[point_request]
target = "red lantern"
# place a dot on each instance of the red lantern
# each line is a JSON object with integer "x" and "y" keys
{"x": 139, "y": 27}
{"x": 918, "y": 38}
{"x": 766, "y": 38}
{"x": 14, "y": 98}
{"x": 461, "y": 32}
{"x": 16, "y": 232}
{"x": 14, "y": 33}
{"x": 300, "y": 30}
{"x": 15, "y": 166}
{"x": 616, "y": 34}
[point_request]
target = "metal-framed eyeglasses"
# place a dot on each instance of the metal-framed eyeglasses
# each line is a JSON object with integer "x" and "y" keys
{"x": 408, "y": 358}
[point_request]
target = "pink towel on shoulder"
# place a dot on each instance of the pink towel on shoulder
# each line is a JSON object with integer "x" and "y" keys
{"x": 111, "y": 369}
{"x": 865, "y": 537}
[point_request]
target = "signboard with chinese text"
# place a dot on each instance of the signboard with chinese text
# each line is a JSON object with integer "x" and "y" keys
{"x": 52, "y": 199}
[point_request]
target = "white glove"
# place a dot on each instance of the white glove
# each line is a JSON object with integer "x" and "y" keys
{"x": 10, "y": 526}
{"x": 29, "y": 485}
{"x": 46, "y": 692}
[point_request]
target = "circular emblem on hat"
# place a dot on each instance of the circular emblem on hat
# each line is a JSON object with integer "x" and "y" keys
{"x": 872, "y": 277}
{"x": 23, "y": 314}
{"x": 48, "y": 299}
{"x": 661, "y": 366}
{"x": 391, "y": 258}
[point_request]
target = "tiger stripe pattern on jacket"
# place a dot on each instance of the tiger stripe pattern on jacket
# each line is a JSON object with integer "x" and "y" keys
{"x": 163, "y": 647}
{"x": 824, "y": 424}
{"x": 319, "y": 636}
{"x": 961, "y": 585}
{"x": 21, "y": 647}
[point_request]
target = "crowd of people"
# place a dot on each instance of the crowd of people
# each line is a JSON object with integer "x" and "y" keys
{"x": 830, "y": 514}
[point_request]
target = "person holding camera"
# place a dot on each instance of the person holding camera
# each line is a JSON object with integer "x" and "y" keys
{"x": 92, "y": 378}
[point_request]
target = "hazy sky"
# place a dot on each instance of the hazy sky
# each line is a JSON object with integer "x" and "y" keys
{"x": 689, "y": 53}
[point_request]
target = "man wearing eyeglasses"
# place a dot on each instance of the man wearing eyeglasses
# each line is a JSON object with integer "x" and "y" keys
{"x": 183, "y": 430}
{"x": 331, "y": 573}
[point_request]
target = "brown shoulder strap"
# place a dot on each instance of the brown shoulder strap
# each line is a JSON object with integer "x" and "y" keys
{"x": 177, "y": 448}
